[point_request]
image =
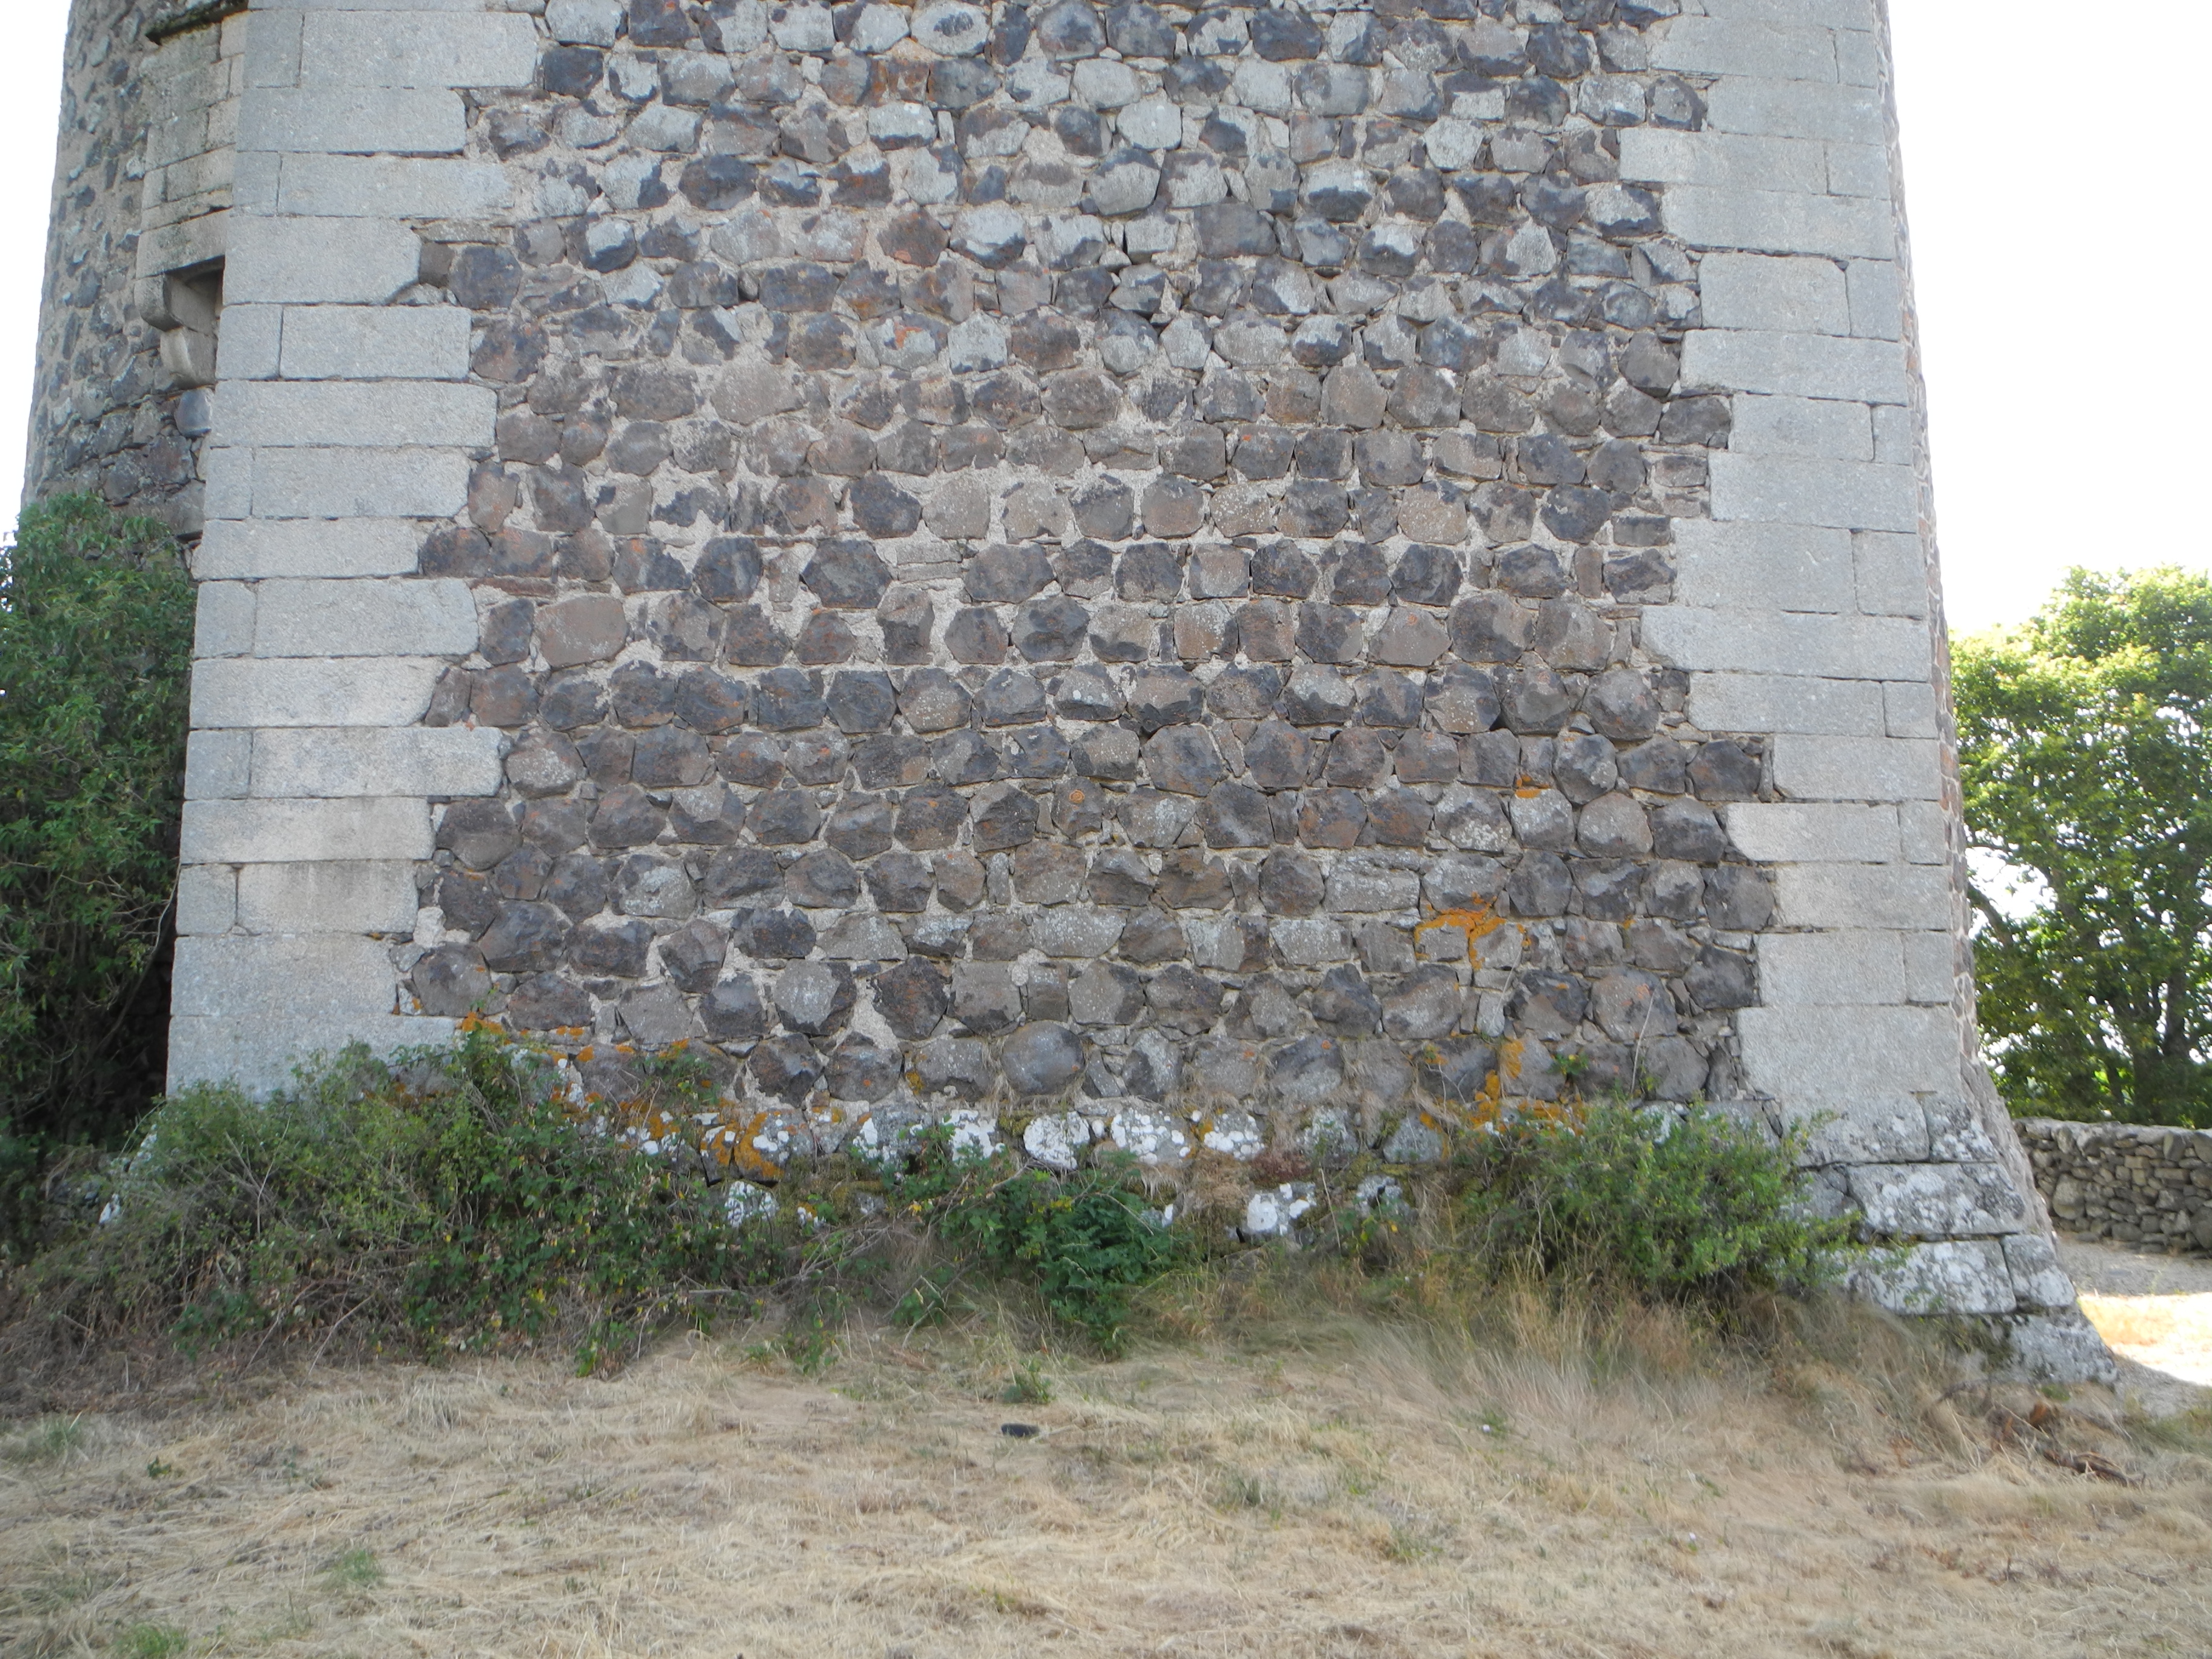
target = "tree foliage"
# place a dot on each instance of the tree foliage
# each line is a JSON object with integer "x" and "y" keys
{"x": 95, "y": 657}
{"x": 2085, "y": 763}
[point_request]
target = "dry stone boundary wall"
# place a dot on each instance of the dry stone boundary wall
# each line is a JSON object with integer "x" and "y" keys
{"x": 2138, "y": 1185}
{"x": 1223, "y": 576}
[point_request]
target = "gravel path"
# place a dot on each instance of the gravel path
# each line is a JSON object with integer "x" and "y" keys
{"x": 2115, "y": 1270}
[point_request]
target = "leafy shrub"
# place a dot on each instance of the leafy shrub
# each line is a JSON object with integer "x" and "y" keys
{"x": 455, "y": 1202}
{"x": 1690, "y": 1207}
{"x": 460, "y": 1199}
{"x": 1086, "y": 1240}
{"x": 95, "y": 657}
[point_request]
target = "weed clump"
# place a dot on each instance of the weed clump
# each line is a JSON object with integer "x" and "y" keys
{"x": 473, "y": 1199}
{"x": 458, "y": 1202}
{"x": 1695, "y": 1206}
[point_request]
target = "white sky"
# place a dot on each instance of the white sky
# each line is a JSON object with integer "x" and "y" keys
{"x": 2053, "y": 404}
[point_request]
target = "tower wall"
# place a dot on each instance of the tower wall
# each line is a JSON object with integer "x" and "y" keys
{"x": 141, "y": 191}
{"x": 1196, "y": 578}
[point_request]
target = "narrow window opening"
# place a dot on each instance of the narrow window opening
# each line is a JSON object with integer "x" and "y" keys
{"x": 188, "y": 314}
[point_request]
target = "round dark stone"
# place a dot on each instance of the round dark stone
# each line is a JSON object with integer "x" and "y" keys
{"x": 451, "y": 980}
{"x": 784, "y": 1068}
{"x": 785, "y": 817}
{"x": 731, "y": 1011}
{"x": 1042, "y": 1058}
{"x": 527, "y": 939}
{"x": 930, "y": 817}
{"x": 625, "y": 817}
{"x": 546, "y": 1002}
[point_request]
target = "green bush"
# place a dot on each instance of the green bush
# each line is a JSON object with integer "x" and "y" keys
{"x": 456, "y": 1199}
{"x": 453, "y": 1202}
{"x": 460, "y": 1199}
{"x": 1696, "y": 1207}
{"x": 95, "y": 657}
{"x": 1087, "y": 1241}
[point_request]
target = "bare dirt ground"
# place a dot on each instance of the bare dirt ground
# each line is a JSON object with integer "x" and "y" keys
{"x": 1357, "y": 1493}
{"x": 2154, "y": 1310}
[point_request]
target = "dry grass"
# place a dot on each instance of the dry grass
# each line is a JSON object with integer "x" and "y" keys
{"x": 1574, "y": 1487}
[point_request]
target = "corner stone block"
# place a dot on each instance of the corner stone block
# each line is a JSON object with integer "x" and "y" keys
{"x": 1782, "y": 222}
{"x": 391, "y": 188}
{"x": 1803, "y": 489}
{"x": 1794, "y": 365}
{"x": 1842, "y": 969}
{"x": 1779, "y": 642}
{"x": 397, "y": 343}
{"x": 1858, "y": 769}
{"x": 1783, "y": 567}
{"x": 352, "y": 897}
{"x": 1772, "y": 833}
{"x": 264, "y": 415}
{"x": 358, "y": 762}
{"x": 1964, "y": 1276}
{"x": 252, "y": 547}
{"x": 287, "y": 981}
{"x": 368, "y": 483}
{"x": 336, "y": 121}
{"x": 319, "y": 261}
{"x": 1657, "y": 155}
{"x": 207, "y": 900}
{"x": 1839, "y": 15}
{"x": 305, "y": 831}
{"x": 1892, "y": 575}
{"x": 2036, "y": 1278}
{"x": 1877, "y": 288}
{"x": 259, "y": 1052}
{"x": 417, "y": 49}
{"x": 1904, "y": 896}
{"x": 1938, "y": 1200}
{"x": 1775, "y": 702}
{"x": 1801, "y": 1055}
{"x": 223, "y": 623}
{"x": 253, "y": 337}
{"x": 218, "y": 765}
{"x": 1814, "y": 428}
{"x": 258, "y": 691}
{"x": 1797, "y": 109}
{"x": 1736, "y": 46}
{"x": 1863, "y": 1130}
{"x": 421, "y": 616}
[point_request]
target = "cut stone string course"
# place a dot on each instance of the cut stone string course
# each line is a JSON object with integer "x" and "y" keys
{"x": 1199, "y": 576}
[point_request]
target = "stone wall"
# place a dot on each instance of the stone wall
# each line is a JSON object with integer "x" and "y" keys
{"x": 1227, "y": 576}
{"x": 2127, "y": 1181}
{"x": 142, "y": 184}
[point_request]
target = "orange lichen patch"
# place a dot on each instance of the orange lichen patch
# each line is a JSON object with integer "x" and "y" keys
{"x": 644, "y": 1118}
{"x": 472, "y": 1022}
{"x": 1477, "y": 922}
{"x": 731, "y": 1142}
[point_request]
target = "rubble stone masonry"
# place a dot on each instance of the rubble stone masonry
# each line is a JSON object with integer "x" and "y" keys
{"x": 1215, "y": 575}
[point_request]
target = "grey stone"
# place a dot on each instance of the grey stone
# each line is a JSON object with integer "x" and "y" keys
{"x": 984, "y": 998}
{"x": 1042, "y": 1058}
{"x": 1424, "y": 1006}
